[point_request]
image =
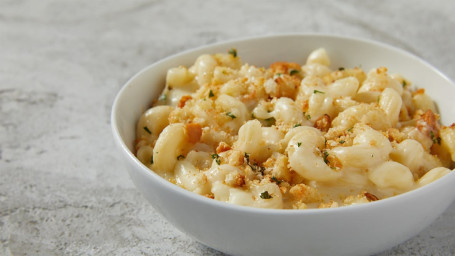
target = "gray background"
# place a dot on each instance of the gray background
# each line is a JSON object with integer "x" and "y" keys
{"x": 63, "y": 188}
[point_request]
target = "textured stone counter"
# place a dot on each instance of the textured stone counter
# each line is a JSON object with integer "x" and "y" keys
{"x": 63, "y": 188}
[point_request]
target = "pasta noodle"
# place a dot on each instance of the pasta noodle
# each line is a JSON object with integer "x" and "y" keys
{"x": 293, "y": 136}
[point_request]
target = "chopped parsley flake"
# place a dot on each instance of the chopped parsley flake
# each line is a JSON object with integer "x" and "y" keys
{"x": 265, "y": 195}
{"x": 247, "y": 157}
{"x": 342, "y": 141}
{"x": 211, "y": 94}
{"x": 316, "y": 91}
{"x": 261, "y": 169}
{"x": 229, "y": 114}
{"x": 325, "y": 154}
{"x": 340, "y": 68}
{"x": 233, "y": 52}
{"x": 276, "y": 180}
{"x": 147, "y": 130}
{"x": 163, "y": 97}
{"x": 217, "y": 158}
{"x": 350, "y": 129}
{"x": 293, "y": 72}
{"x": 299, "y": 144}
{"x": 404, "y": 83}
{"x": 254, "y": 166}
{"x": 436, "y": 140}
{"x": 297, "y": 125}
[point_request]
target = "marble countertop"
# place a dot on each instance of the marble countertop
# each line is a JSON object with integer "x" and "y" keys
{"x": 63, "y": 188}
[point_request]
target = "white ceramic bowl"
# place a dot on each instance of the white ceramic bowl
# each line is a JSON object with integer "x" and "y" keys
{"x": 353, "y": 230}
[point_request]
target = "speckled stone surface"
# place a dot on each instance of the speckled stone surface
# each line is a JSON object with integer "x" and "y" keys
{"x": 63, "y": 188}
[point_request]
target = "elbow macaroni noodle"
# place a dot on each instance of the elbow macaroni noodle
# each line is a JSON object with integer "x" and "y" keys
{"x": 293, "y": 136}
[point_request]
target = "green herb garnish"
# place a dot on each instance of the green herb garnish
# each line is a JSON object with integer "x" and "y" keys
{"x": 342, "y": 141}
{"x": 340, "y": 68}
{"x": 297, "y": 125}
{"x": 436, "y": 140}
{"x": 293, "y": 72}
{"x": 147, "y": 130}
{"x": 217, "y": 158}
{"x": 308, "y": 117}
{"x": 229, "y": 114}
{"x": 163, "y": 97}
{"x": 247, "y": 158}
{"x": 233, "y": 52}
{"x": 299, "y": 144}
{"x": 261, "y": 169}
{"x": 265, "y": 195}
{"x": 211, "y": 94}
{"x": 316, "y": 91}
{"x": 325, "y": 154}
{"x": 254, "y": 166}
{"x": 276, "y": 180}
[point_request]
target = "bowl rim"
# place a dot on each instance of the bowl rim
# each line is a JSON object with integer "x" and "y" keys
{"x": 249, "y": 209}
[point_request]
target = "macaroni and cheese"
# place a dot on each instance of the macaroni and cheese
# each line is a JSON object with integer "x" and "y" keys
{"x": 293, "y": 136}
